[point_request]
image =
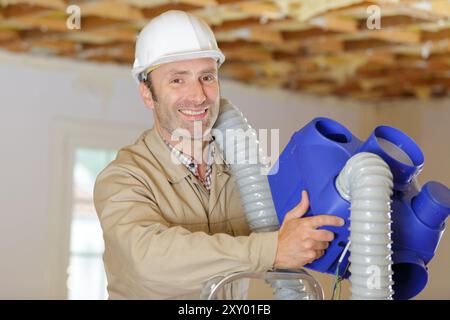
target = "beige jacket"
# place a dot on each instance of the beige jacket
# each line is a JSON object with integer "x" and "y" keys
{"x": 165, "y": 236}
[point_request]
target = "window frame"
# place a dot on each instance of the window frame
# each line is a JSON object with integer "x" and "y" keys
{"x": 66, "y": 137}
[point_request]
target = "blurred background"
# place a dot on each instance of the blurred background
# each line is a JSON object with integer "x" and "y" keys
{"x": 68, "y": 103}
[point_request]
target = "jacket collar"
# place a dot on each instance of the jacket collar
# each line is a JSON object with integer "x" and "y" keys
{"x": 173, "y": 171}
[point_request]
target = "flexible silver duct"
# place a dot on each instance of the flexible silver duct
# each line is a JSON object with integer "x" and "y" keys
{"x": 366, "y": 181}
{"x": 253, "y": 185}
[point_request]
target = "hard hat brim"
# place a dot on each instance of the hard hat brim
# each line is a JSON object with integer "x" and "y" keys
{"x": 215, "y": 54}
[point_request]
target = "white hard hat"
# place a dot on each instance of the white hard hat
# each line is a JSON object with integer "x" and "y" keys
{"x": 173, "y": 36}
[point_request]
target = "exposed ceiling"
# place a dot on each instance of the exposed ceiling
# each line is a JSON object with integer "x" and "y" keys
{"x": 319, "y": 46}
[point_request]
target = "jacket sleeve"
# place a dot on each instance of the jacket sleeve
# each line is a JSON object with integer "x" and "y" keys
{"x": 164, "y": 259}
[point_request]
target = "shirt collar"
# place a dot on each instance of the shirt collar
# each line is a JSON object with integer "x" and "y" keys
{"x": 176, "y": 172}
{"x": 187, "y": 159}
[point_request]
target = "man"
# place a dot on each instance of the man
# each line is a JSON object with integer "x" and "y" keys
{"x": 169, "y": 226}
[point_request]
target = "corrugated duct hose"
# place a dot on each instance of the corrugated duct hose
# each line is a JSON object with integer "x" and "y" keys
{"x": 365, "y": 181}
{"x": 253, "y": 186}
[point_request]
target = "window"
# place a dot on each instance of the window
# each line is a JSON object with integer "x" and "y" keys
{"x": 80, "y": 150}
{"x": 87, "y": 279}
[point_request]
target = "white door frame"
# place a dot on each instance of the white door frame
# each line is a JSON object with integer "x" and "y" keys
{"x": 67, "y": 137}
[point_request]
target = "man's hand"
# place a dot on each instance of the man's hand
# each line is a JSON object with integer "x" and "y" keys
{"x": 299, "y": 242}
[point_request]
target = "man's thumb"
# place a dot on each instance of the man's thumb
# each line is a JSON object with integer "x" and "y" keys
{"x": 300, "y": 209}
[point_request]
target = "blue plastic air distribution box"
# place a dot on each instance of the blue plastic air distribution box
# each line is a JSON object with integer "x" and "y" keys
{"x": 312, "y": 160}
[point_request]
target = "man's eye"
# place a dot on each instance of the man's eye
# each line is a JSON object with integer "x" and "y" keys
{"x": 176, "y": 81}
{"x": 208, "y": 78}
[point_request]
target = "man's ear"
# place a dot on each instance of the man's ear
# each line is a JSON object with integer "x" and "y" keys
{"x": 146, "y": 95}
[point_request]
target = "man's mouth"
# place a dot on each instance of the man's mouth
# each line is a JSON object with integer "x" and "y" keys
{"x": 191, "y": 114}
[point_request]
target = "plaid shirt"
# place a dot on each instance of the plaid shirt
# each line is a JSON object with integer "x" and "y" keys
{"x": 193, "y": 166}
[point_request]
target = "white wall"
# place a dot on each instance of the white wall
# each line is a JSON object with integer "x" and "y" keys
{"x": 36, "y": 92}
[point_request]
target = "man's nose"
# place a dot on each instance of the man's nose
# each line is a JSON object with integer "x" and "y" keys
{"x": 197, "y": 93}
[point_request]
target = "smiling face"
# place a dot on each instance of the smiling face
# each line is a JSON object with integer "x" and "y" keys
{"x": 186, "y": 95}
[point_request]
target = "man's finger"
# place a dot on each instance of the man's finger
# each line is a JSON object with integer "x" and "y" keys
{"x": 300, "y": 209}
{"x": 322, "y": 235}
{"x": 320, "y": 245}
{"x": 320, "y": 253}
{"x": 325, "y": 220}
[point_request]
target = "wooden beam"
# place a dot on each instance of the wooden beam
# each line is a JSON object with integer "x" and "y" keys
{"x": 305, "y": 65}
{"x": 288, "y": 24}
{"x": 382, "y": 56}
{"x": 435, "y": 62}
{"x": 236, "y": 24}
{"x": 8, "y": 35}
{"x": 20, "y": 9}
{"x": 16, "y": 45}
{"x": 240, "y": 71}
{"x": 267, "y": 82}
{"x": 350, "y": 9}
{"x": 313, "y": 8}
{"x": 291, "y": 47}
{"x": 424, "y": 49}
{"x": 49, "y": 4}
{"x": 124, "y": 53}
{"x": 265, "y": 35}
{"x": 274, "y": 68}
{"x": 435, "y": 7}
{"x": 92, "y": 23}
{"x": 110, "y": 45}
{"x": 118, "y": 35}
{"x": 364, "y": 44}
{"x": 315, "y": 76}
{"x": 439, "y": 62}
{"x": 248, "y": 54}
{"x": 408, "y": 75}
{"x": 110, "y": 9}
{"x": 333, "y": 23}
{"x": 240, "y": 43}
{"x": 368, "y": 84}
{"x": 39, "y": 22}
{"x": 319, "y": 88}
{"x": 260, "y": 9}
{"x": 395, "y": 35}
{"x": 34, "y": 34}
{"x": 368, "y": 71}
{"x": 102, "y": 36}
{"x": 228, "y": 1}
{"x": 325, "y": 45}
{"x": 443, "y": 34}
{"x": 151, "y": 12}
{"x": 279, "y": 55}
{"x": 201, "y": 3}
{"x": 422, "y": 92}
{"x": 217, "y": 16}
{"x": 389, "y": 21}
{"x": 395, "y": 90}
{"x": 305, "y": 34}
{"x": 260, "y": 34}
